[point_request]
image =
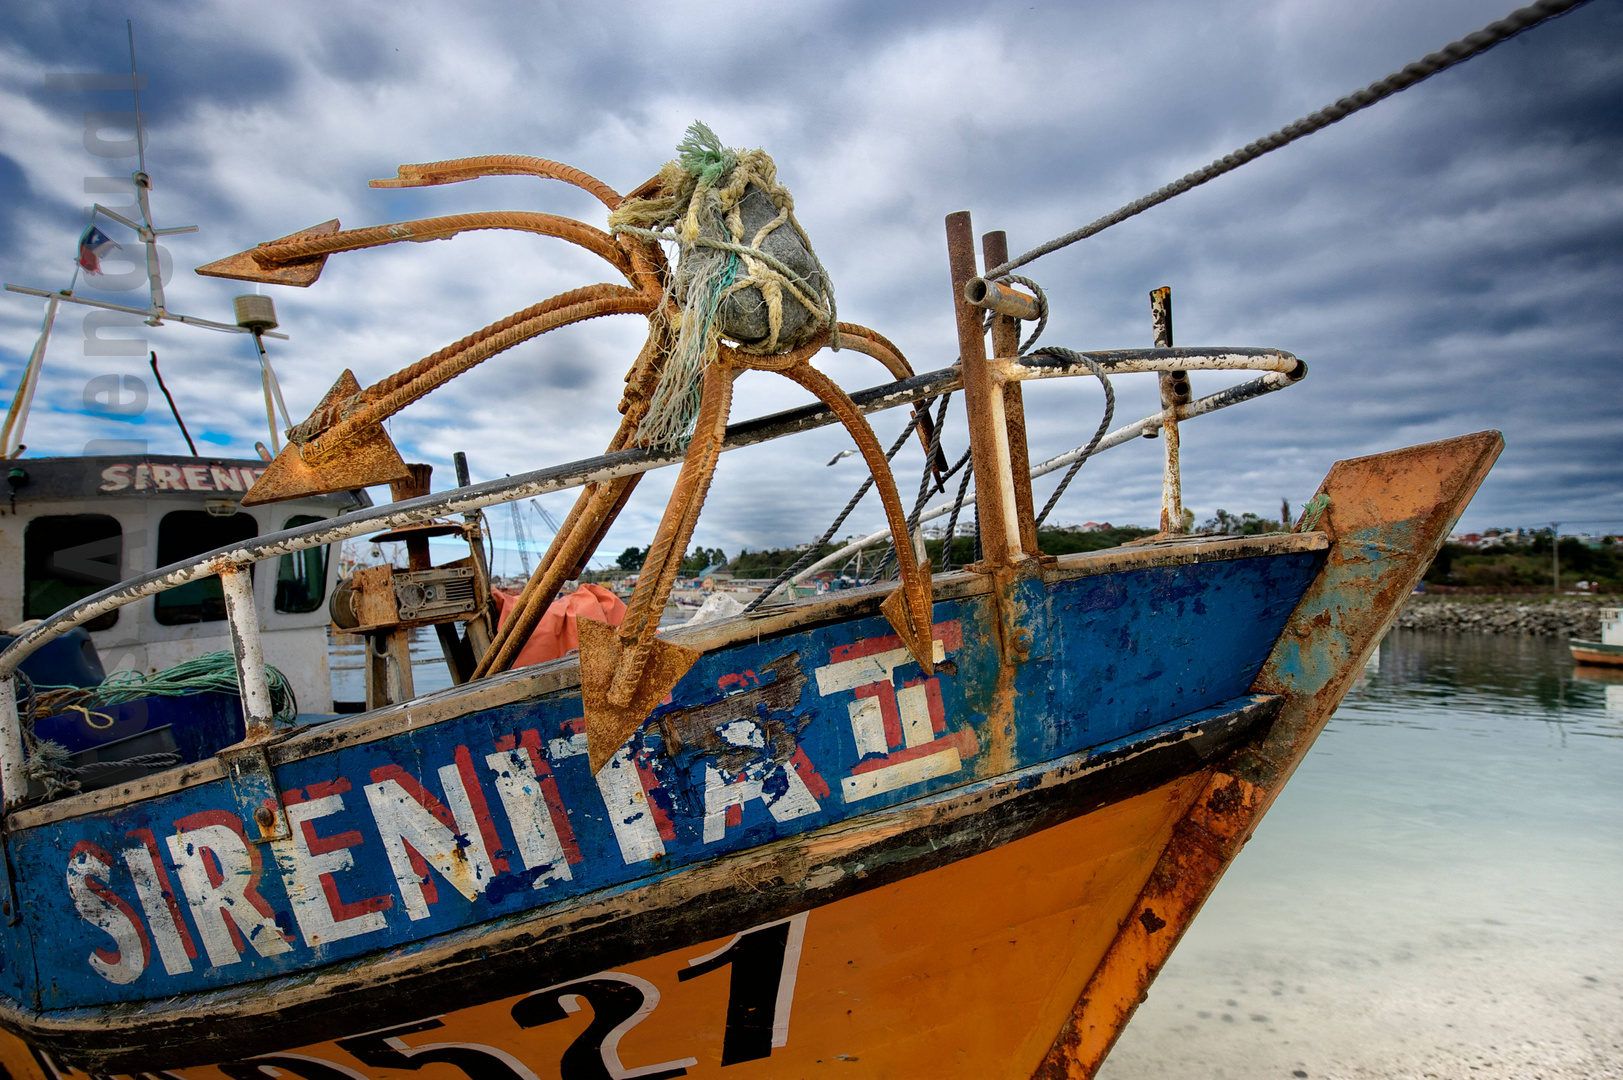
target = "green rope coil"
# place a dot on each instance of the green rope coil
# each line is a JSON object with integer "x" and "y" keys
{"x": 215, "y": 671}
{"x": 1312, "y": 512}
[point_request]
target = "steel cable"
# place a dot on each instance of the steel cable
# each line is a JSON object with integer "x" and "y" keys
{"x": 811, "y": 552}
{"x": 1453, "y": 53}
{"x": 1104, "y": 421}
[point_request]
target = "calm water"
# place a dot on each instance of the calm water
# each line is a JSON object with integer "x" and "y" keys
{"x": 1438, "y": 892}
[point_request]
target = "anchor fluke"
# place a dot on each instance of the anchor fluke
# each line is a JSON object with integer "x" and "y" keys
{"x": 908, "y": 612}
{"x": 367, "y": 458}
{"x": 260, "y": 264}
{"x": 610, "y": 724}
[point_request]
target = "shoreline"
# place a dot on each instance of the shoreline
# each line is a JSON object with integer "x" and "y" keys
{"x": 1566, "y": 616}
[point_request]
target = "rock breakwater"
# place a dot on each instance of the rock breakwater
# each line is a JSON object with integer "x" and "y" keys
{"x": 1579, "y": 618}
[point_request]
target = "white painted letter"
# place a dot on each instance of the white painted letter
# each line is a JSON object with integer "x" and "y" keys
{"x": 418, "y": 832}
{"x": 175, "y": 946}
{"x": 89, "y": 868}
{"x": 529, "y": 815}
{"x": 308, "y": 863}
{"x": 224, "y": 897}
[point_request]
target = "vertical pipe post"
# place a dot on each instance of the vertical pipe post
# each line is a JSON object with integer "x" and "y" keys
{"x": 1174, "y": 395}
{"x": 479, "y": 634}
{"x": 13, "y": 785}
{"x": 143, "y": 183}
{"x": 1006, "y": 342}
{"x": 11, "y": 436}
{"x": 995, "y": 510}
{"x": 265, "y": 379}
{"x": 252, "y": 683}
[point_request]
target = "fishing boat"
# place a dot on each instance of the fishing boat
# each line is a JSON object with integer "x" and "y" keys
{"x": 948, "y": 823}
{"x": 1608, "y": 651}
{"x": 73, "y": 525}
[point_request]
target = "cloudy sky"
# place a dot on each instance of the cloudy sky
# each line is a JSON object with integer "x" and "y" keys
{"x": 1447, "y": 261}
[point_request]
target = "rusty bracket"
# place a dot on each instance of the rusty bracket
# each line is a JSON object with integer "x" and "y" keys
{"x": 1002, "y": 299}
{"x": 248, "y": 767}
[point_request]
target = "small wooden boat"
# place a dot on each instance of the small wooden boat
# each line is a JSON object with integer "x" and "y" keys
{"x": 1608, "y": 651}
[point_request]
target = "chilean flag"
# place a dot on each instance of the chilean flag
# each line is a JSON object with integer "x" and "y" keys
{"x": 94, "y": 246}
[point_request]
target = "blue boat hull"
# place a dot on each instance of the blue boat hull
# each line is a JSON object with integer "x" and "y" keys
{"x": 403, "y": 833}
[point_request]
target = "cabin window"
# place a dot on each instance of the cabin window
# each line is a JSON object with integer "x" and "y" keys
{"x": 66, "y": 558}
{"x": 183, "y": 534}
{"x": 301, "y": 577}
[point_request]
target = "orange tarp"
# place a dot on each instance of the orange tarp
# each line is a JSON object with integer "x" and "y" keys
{"x": 556, "y": 635}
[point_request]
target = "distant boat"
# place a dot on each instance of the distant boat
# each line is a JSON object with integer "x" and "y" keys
{"x": 1608, "y": 651}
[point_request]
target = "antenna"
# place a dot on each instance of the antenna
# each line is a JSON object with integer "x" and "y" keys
{"x": 156, "y": 311}
{"x": 140, "y": 150}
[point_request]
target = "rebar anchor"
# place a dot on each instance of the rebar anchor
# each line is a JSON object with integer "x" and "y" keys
{"x": 626, "y": 673}
{"x": 342, "y": 444}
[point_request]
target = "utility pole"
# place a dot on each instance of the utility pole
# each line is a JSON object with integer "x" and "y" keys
{"x": 1555, "y": 554}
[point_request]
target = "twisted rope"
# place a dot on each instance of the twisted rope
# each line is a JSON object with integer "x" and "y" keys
{"x": 1453, "y": 53}
{"x": 957, "y": 504}
{"x": 1104, "y": 421}
{"x": 214, "y": 671}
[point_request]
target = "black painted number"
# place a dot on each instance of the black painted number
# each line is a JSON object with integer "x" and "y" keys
{"x": 619, "y": 1003}
{"x": 385, "y": 1050}
{"x": 762, "y": 987}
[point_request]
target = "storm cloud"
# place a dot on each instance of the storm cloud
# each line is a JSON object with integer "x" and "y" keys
{"x": 1447, "y": 261}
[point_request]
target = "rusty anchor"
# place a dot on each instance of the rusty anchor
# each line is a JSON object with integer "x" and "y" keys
{"x": 342, "y": 444}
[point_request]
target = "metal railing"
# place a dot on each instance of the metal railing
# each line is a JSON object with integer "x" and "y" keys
{"x": 231, "y": 562}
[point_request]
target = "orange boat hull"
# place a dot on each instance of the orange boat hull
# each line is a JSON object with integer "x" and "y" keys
{"x": 967, "y": 970}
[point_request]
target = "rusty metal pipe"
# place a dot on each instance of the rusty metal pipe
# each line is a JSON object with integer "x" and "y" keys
{"x": 1002, "y": 299}
{"x": 455, "y": 171}
{"x": 276, "y": 253}
{"x": 1006, "y": 342}
{"x": 1174, "y": 387}
{"x": 13, "y": 782}
{"x": 996, "y": 514}
{"x": 1041, "y": 365}
{"x": 369, "y": 412}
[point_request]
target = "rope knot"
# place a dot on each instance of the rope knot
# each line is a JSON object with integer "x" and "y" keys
{"x": 745, "y": 270}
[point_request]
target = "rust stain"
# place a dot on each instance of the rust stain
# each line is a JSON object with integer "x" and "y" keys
{"x": 1399, "y": 506}
{"x": 697, "y": 728}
